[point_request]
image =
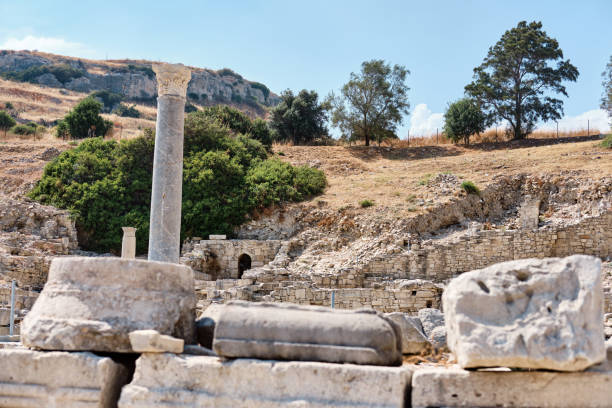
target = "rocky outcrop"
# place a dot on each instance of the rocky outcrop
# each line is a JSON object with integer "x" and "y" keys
{"x": 136, "y": 81}
{"x": 531, "y": 313}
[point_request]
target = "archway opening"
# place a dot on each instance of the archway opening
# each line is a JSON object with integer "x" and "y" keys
{"x": 244, "y": 264}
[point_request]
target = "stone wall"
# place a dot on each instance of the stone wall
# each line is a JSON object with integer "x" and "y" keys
{"x": 219, "y": 258}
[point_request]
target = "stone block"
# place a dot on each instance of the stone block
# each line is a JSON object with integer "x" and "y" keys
{"x": 306, "y": 333}
{"x": 430, "y": 319}
{"x": 59, "y": 379}
{"x": 454, "y": 387}
{"x": 531, "y": 313}
{"x": 94, "y": 303}
{"x": 5, "y": 316}
{"x": 216, "y": 237}
{"x": 413, "y": 339}
{"x": 163, "y": 380}
{"x": 150, "y": 341}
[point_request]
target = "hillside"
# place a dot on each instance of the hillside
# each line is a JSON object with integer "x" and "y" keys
{"x": 134, "y": 79}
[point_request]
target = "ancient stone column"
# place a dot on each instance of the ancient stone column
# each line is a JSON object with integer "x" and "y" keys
{"x": 165, "y": 225}
{"x": 128, "y": 245}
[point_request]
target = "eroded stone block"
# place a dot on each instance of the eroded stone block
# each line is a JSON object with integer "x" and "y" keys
{"x": 413, "y": 338}
{"x": 531, "y": 313}
{"x": 150, "y": 341}
{"x": 94, "y": 303}
{"x": 35, "y": 379}
{"x": 163, "y": 380}
{"x": 306, "y": 333}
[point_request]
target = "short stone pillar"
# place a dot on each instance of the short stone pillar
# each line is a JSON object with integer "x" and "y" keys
{"x": 128, "y": 245}
{"x": 165, "y": 222}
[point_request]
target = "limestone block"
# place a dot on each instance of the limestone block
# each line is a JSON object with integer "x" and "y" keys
{"x": 163, "y": 380}
{"x": 430, "y": 319}
{"x": 530, "y": 313}
{"x": 150, "y": 341}
{"x": 205, "y": 325}
{"x": 454, "y": 387}
{"x": 413, "y": 339}
{"x": 307, "y": 333}
{"x": 59, "y": 379}
{"x": 94, "y": 303}
{"x": 5, "y": 316}
{"x": 216, "y": 237}
{"x": 437, "y": 337}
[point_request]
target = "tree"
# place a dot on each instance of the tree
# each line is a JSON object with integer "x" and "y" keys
{"x": 84, "y": 119}
{"x": 462, "y": 119}
{"x": 515, "y": 81}
{"x": 606, "y": 100}
{"x": 372, "y": 102}
{"x": 62, "y": 131}
{"x": 6, "y": 121}
{"x": 301, "y": 118}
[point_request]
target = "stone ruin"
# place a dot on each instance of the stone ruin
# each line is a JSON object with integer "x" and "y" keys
{"x": 108, "y": 332}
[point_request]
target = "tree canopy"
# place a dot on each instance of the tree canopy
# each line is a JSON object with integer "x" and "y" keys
{"x": 6, "y": 121}
{"x": 372, "y": 103}
{"x": 462, "y": 119}
{"x": 85, "y": 116}
{"x": 606, "y": 100}
{"x": 300, "y": 118}
{"x": 516, "y": 83}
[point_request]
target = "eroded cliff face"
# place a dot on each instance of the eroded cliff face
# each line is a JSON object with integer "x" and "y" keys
{"x": 136, "y": 80}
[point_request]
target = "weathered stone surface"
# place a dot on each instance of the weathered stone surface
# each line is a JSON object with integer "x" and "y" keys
{"x": 128, "y": 244}
{"x": 531, "y": 313}
{"x": 5, "y": 316}
{"x": 290, "y": 332}
{"x": 165, "y": 220}
{"x": 150, "y": 341}
{"x": 163, "y": 380}
{"x": 198, "y": 350}
{"x": 454, "y": 387}
{"x": 430, "y": 319}
{"x": 36, "y": 379}
{"x": 94, "y": 303}
{"x": 413, "y": 339}
{"x": 205, "y": 325}
{"x": 437, "y": 337}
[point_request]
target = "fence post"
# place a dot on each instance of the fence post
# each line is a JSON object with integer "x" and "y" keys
{"x": 333, "y": 300}
{"x": 12, "y": 316}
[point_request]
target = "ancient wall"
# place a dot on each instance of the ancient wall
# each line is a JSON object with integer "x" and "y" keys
{"x": 219, "y": 258}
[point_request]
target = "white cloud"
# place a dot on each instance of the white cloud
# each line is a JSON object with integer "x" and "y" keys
{"x": 49, "y": 44}
{"x": 598, "y": 119}
{"x": 423, "y": 122}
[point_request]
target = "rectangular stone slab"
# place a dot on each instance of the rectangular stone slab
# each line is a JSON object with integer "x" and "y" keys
{"x": 59, "y": 379}
{"x": 454, "y": 387}
{"x": 164, "y": 380}
{"x": 306, "y": 333}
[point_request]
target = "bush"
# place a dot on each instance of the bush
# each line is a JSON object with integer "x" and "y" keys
{"x": 28, "y": 129}
{"x": 366, "y": 203}
{"x": 470, "y": 187}
{"x": 126, "y": 111}
{"x": 107, "y": 185}
{"x": 229, "y": 72}
{"x": 62, "y": 131}
{"x": 239, "y": 123}
{"x": 607, "y": 142}
{"x": 190, "y": 107}
{"x": 264, "y": 89}
{"x": 85, "y": 116}
{"x": 108, "y": 99}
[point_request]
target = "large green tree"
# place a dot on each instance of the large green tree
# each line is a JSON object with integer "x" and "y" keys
{"x": 462, "y": 119}
{"x": 85, "y": 116}
{"x": 6, "y": 121}
{"x": 606, "y": 100}
{"x": 518, "y": 79}
{"x": 373, "y": 102}
{"x": 300, "y": 118}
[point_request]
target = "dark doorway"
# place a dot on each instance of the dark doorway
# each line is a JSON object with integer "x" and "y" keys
{"x": 244, "y": 263}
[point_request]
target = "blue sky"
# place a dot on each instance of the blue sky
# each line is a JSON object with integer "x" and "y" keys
{"x": 316, "y": 44}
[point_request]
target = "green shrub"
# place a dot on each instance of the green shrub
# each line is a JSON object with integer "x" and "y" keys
{"x": 193, "y": 96}
{"x": 85, "y": 116}
{"x": 238, "y": 122}
{"x": 28, "y": 129}
{"x": 229, "y": 72}
{"x": 126, "y": 111}
{"x": 8, "y": 105}
{"x": 6, "y": 121}
{"x": 366, "y": 203}
{"x": 425, "y": 179}
{"x": 607, "y": 142}
{"x": 63, "y": 72}
{"x": 190, "y": 107}
{"x": 264, "y": 89}
{"x": 62, "y": 131}
{"x": 108, "y": 99}
{"x": 470, "y": 187}
{"x": 107, "y": 185}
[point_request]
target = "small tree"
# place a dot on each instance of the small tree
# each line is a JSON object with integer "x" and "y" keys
{"x": 462, "y": 119}
{"x": 515, "y": 81}
{"x": 84, "y": 120}
{"x": 373, "y": 102}
{"x": 301, "y": 118}
{"x": 606, "y": 100}
{"x": 6, "y": 121}
{"x": 62, "y": 131}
